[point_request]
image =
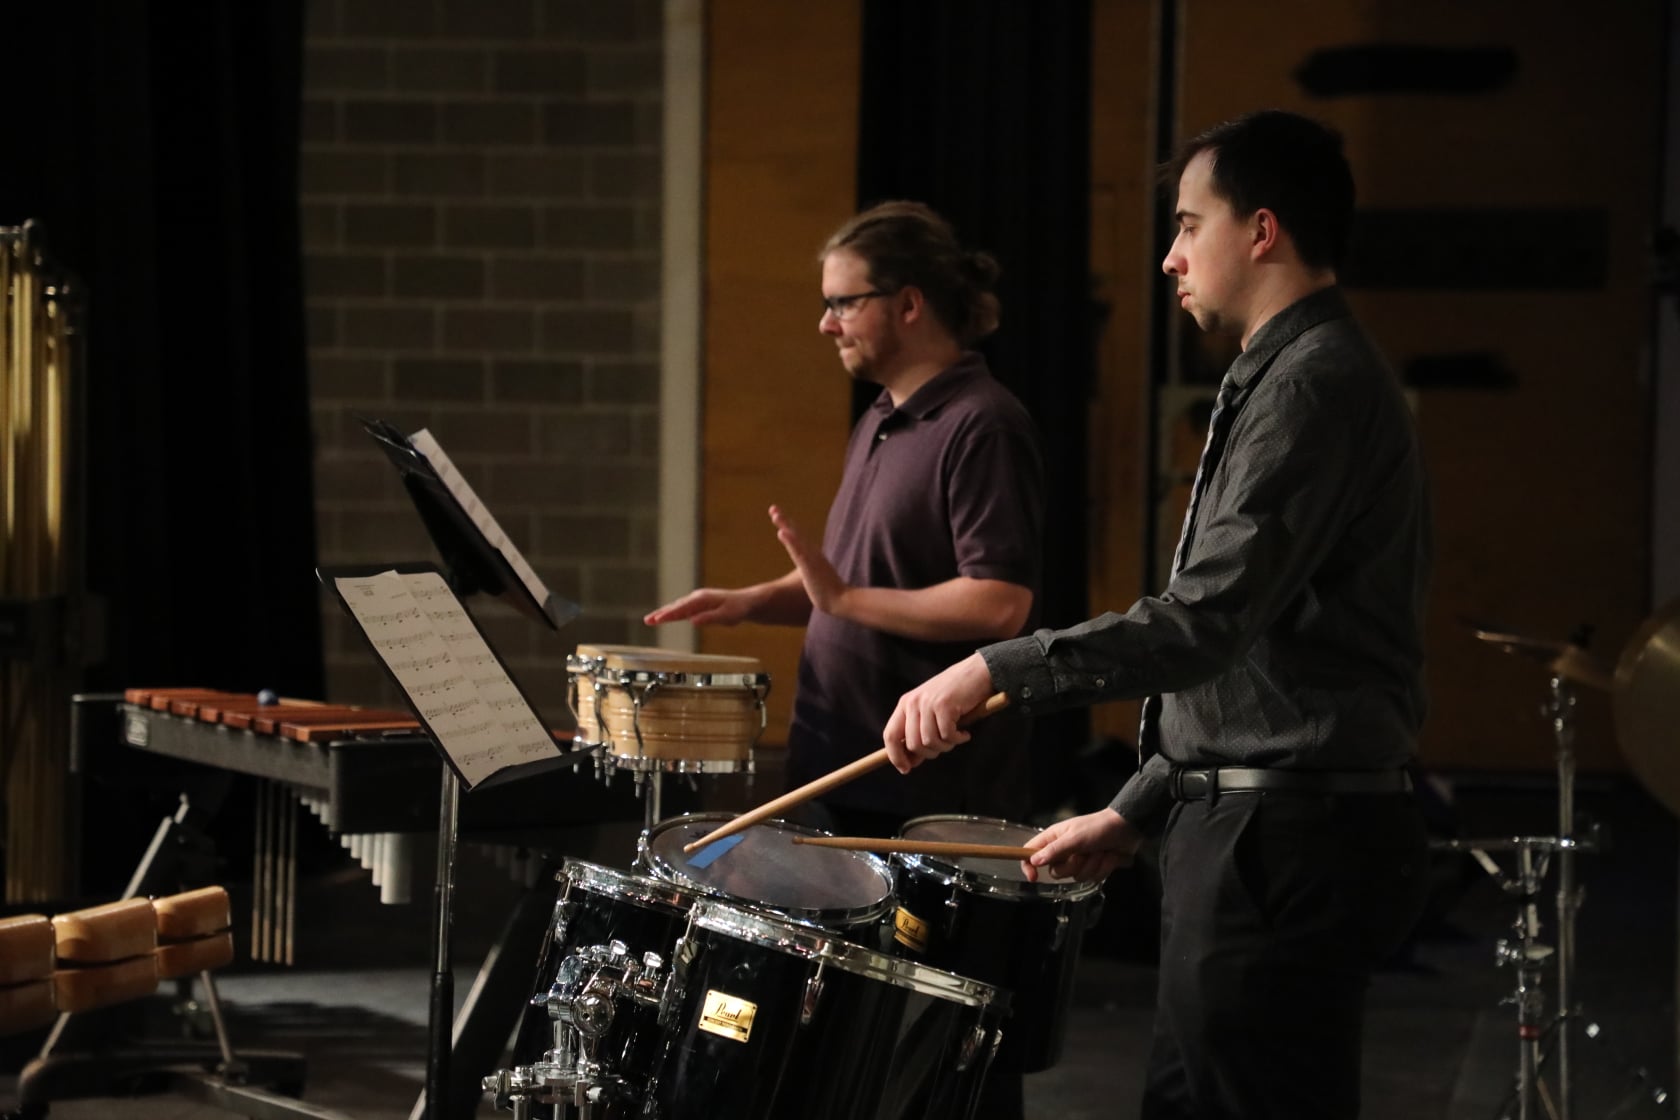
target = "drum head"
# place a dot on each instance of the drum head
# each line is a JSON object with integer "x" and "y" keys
{"x": 649, "y": 659}
{"x": 999, "y": 876}
{"x": 768, "y": 869}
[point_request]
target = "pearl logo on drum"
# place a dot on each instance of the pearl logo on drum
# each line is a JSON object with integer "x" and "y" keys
{"x": 728, "y": 1016}
{"x": 910, "y": 931}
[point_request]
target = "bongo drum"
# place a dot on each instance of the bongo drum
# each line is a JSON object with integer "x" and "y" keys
{"x": 983, "y": 918}
{"x": 660, "y": 710}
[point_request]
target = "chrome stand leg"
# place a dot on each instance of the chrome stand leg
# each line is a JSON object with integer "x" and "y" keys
{"x": 1563, "y": 727}
{"x": 230, "y": 1065}
{"x": 651, "y": 811}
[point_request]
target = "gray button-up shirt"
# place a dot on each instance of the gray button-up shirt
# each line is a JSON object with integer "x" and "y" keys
{"x": 1292, "y": 636}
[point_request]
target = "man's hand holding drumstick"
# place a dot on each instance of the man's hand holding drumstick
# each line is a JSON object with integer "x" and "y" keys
{"x": 924, "y": 725}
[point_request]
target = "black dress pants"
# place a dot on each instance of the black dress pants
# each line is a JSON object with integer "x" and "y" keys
{"x": 1276, "y": 907}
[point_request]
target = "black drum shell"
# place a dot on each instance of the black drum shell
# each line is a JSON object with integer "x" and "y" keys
{"x": 598, "y": 906}
{"x": 1014, "y": 939}
{"x": 871, "y": 1050}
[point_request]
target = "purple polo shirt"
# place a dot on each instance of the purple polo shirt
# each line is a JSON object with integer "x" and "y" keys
{"x": 951, "y": 484}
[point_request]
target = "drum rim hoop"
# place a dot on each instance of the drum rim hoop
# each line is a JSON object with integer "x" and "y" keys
{"x": 813, "y": 943}
{"x": 658, "y": 866}
{"x": 978, "y": 882}
{"x": 669, "y": 678}
{"x": 625, "y": 885}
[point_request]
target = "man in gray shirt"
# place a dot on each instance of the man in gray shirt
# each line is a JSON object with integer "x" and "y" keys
{"x": 1282, "y": 666}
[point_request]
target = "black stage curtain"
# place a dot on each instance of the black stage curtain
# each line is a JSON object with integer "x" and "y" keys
{"x": 981, "y": 109}
{"x": 157, "y": 143}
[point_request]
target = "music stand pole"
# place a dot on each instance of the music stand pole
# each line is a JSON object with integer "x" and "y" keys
{"x": 1563, "y": 728}
{"x": 441, "y": 1021}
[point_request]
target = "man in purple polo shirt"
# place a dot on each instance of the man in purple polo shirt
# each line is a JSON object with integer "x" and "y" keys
{"x": 933, "y": 543}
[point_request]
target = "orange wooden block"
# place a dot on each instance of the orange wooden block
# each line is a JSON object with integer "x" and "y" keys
{"x": 113, "y": 932}
{"x": 82, "y": 989}
{"x": 200, "y": 954}
{"x": 192, "y": 914}
{"x": 24, "y": 1007}
{"x": 26, "y": 949}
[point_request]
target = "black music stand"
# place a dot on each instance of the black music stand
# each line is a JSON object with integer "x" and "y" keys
{"x": 477, "y": 555}
{"x": 478, "y": 558}
{"x": 408, "y": 637}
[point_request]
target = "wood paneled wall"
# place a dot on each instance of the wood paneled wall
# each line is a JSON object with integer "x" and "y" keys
{"x": 781, "y": 170}
{"x": 1123, "y": 140}
{"x": 1541, "y": 487}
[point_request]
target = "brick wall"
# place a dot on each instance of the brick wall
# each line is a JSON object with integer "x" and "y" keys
{"x": 481, "y": 203}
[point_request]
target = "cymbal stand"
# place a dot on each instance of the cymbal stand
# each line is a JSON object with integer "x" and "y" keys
{"x": 1527, "y": 957}
{"x": 1560, "y": 709}
{"x": 1525, "y": 953}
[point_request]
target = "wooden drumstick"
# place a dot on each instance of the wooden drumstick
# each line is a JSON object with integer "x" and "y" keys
{"x": 872, "y": 761}
{"x": 918, "y": 847}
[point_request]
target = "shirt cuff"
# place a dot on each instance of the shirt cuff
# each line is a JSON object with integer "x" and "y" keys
{"x": 1146, "y": 800}
{"x": 1019, "y": 669}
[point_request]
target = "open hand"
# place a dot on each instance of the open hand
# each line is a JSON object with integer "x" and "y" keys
{"x": 823, "y": 585}
{"x": 706, "y": 605}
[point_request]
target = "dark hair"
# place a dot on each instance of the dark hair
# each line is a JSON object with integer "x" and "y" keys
{"x": 906, "y": 244}
{"x": 1288, "y": 164}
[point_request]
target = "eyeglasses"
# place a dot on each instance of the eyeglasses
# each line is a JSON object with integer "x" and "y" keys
{"x": 844, "y": 307}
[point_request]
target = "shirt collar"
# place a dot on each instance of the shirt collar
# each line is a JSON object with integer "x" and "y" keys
{"x": 1285, "y": 327}
{"x": 944, "y": 385}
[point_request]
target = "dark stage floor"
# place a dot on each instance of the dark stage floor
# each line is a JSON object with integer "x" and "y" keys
{"x": 1439, "y": 1043}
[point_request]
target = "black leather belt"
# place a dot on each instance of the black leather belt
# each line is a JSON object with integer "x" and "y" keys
{"x": 1207, "y": 785}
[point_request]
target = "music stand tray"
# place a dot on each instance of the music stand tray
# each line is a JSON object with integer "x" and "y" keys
{"x": 477, "y": 554}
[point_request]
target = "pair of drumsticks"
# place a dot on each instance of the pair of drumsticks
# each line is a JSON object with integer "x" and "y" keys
{"x": 872, "y": 761}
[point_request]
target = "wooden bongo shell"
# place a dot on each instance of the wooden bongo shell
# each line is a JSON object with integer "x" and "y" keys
{"x": 709, "y": 710}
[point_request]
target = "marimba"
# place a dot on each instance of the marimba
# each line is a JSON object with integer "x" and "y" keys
{"x": 368, "y": 774}
{"x": 374, "y": 779}
{"x": 369, "y": 770}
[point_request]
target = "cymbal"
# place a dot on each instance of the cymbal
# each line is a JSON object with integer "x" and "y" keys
{"x": 1562, "y": 658}
{"x": 1576, "y": 664}
{"x": 1646, "y": 704}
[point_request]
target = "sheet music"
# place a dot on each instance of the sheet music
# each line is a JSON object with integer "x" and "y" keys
{"x": 424, "y": 442}
{"x": 425, "y": 636}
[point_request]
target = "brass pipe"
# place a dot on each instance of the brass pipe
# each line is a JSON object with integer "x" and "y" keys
{"x": 38, "y": 359}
